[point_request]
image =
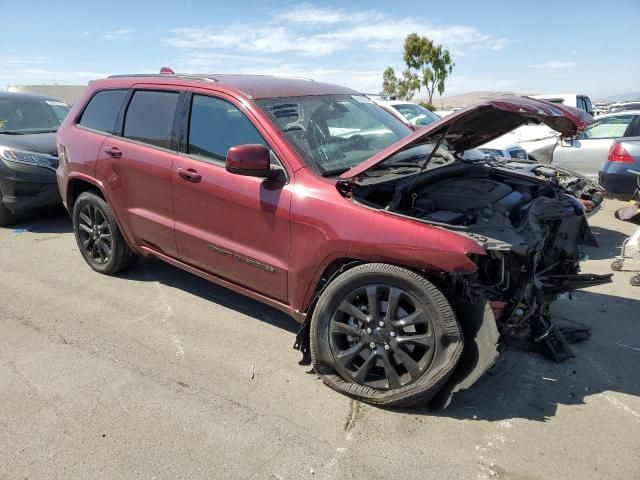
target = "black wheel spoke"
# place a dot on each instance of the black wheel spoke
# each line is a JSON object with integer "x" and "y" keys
{"x": 106, "y": 237}
{"x": 392, "y": 375}
{"x": 425, "y": 339}
{"x": 94, "y": 250}
{"x": 409, "y": 363}
{"x": 85, "y": 243}
{"x": 351, "y": 309}
{"x": 372, "y": 300}
{"x": 392, "y": 306}
{"x": 104, "y": 248}
{"x": 85, "y": 219}
{"x": 346, "y": 329}
{"x": 411, "y": 319}
{"x": 345, "y": 357}
{"x": 365, "y": 368}
{"x": 85, "y": 228}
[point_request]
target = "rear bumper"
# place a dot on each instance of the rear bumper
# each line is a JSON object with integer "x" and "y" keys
{"x": 27, "y": 187}
{"x": 620, "y": 183}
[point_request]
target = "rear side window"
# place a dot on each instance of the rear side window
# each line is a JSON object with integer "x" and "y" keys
{"x": 217, "y": 125}
{"x": 608, "y": 127}
{"x": 150, "y": 116}
{"x": 101, "y": 112}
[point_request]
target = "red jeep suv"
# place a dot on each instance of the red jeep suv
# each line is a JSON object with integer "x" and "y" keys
{"x": 404, "y": 263}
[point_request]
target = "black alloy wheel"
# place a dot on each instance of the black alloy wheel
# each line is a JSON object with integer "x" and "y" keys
{"x": 95, "y": 234}
{"x": 382, "y": 337}
{"x": 385, "y": 335}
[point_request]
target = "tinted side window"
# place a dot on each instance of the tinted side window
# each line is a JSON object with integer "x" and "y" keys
{"x": 149, "y": 117}
{"x": 217, "y": 125}
{"x": 102, "y": 110}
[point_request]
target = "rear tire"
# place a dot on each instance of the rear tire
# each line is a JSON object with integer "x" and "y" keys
{"x": 398, "y": 353}
{"x": 98, "y": 237}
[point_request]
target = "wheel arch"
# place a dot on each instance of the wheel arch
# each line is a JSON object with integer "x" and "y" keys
{"x": 78, "y": 185}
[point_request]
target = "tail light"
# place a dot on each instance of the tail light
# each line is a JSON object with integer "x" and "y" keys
{"x": 617, "y": 153}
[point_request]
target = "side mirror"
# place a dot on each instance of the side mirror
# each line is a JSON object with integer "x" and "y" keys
{"x": 249, "y": 160}
{"x": 567, "y": 142}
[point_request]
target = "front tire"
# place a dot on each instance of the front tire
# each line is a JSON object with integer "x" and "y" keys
{"x": 98, "y": 237}
{"x": 384, "y": 335}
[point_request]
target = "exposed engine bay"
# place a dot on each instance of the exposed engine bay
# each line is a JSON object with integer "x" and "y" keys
{"x": 530, "y": 228}
{"x": 586, "y": 191}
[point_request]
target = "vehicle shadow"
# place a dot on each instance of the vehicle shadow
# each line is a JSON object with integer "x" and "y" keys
{"x": 609, "y": 242}
{"x": 521, "y": 384}
{"x": 154, "y": 270}
{"x": 529, "y": 386}
{"x": 53, "y": 220}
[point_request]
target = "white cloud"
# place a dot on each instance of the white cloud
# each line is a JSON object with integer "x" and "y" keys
{"x": 122, "y": 34}
{"x": 362, "y": 80}
{"x": 310, "y": 15}
{"x": 312, "y": 31}
{"x": 42, "y": 75}
{"x": 554, "y": 65}
{"x": 85, "y": 34}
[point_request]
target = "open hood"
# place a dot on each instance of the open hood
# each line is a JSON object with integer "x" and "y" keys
{"x": 481, "y": 123}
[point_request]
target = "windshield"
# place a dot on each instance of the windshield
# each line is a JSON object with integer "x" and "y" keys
{"x": 334, "y": 132}
{"x": 416, "y": 114}
{"x": 31, "y": 116}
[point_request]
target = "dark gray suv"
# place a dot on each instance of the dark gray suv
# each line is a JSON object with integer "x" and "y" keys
{"x": 28, "y": 153}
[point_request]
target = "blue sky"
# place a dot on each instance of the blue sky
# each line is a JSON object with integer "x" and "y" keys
{"x": 530, "y": 47}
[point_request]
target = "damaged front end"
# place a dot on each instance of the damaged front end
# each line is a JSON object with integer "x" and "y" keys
{"x": 588, "y": 193}
{"x": 529, "y": 218}
{"x": 531, "y": 231}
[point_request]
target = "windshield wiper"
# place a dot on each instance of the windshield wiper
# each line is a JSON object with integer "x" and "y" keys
{"x": 334, "y": 172}
{"x": 11, "y": 132}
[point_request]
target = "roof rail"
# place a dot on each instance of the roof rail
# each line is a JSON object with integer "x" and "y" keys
{"x": 164, "y": 75}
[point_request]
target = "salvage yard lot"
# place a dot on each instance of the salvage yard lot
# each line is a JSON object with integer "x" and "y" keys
{"x": 156, "y": 373}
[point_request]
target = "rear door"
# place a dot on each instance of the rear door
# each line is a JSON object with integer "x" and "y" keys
{"x": 590, "y": 149}
{"x": 236, "y": 227}
{"x": 137, "y": 167}
{"x": 96, "y": 122}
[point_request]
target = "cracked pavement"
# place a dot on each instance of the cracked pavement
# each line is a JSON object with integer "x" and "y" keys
{"x": 156, "y": 373}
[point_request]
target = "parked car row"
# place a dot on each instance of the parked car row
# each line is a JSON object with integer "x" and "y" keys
{"x": 512, "y": 155}
{"x": 599, "y": 154}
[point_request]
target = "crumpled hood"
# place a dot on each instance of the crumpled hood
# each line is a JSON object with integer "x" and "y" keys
{"x": 35, "y": 142}
{"x": 483, "y": 122}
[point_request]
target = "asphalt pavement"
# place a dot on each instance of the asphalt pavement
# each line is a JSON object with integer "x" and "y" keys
{"x": 156, "y": 373}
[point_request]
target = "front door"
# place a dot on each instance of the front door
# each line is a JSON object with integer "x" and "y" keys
{"x": 589, "y": 150}
{"x": 233, "y": 226}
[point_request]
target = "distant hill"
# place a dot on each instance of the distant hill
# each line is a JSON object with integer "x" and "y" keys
{"x": 622, "y": 97}
{"x": 466, "y": 99}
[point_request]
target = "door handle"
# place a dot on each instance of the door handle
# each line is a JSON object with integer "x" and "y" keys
{"x": 113, "y": 152}
{"x": 189, "y": 174}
